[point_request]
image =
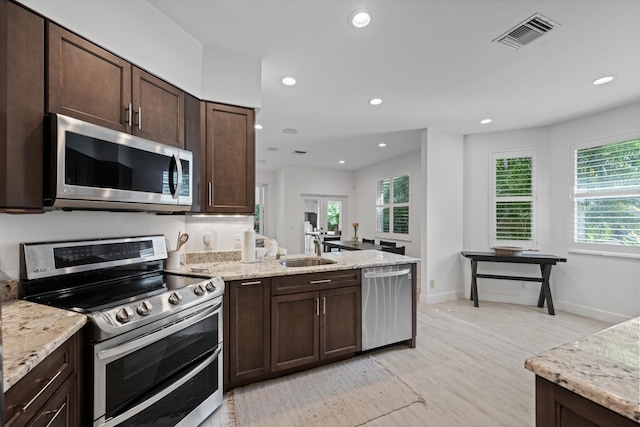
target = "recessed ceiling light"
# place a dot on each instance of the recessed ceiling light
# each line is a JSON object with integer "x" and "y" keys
{"x": 288, "y": 81}
{"x": 290, "y": 131}
{"x": 375, "y": 101}
{"x": 382, "y": 144}
{"x": 360, "y": 19}
{"x": 341, "y": 162}
{"x": 257, "y": 126}
{"x": 603, "y": 80}
{"x": 272, "y": 148}
{"x": 485, "y": 121}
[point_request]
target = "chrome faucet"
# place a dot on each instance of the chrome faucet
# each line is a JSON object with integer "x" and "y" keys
{"x": 316, "y": 241}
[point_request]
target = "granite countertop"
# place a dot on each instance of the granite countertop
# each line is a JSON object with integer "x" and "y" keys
{"x": 31, "y": 332}
{"x": 603, "y": 367}
{"x": 268, "y": 267}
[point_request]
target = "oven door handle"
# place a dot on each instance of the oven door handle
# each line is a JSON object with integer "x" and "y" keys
{"x": 131, "y": 346}
{"x": 160, "y": 395}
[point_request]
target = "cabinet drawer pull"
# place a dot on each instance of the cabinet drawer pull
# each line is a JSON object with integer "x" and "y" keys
{"x": 251, "y": 283}
{"x": 317, "y": 306}
{"x": 25, "y": 407}
{"x": 139, "y": 115}
{"x": 317, "y": 282}
{"x": 324, "y": 305}
{"x": 210, "y": 190}
{"x": 50, "y": 423}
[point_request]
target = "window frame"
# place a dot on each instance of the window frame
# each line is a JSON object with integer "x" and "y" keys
{"x": 390, "y": 234}
{"x": 531, "y": 244}
{"x": 575, "y": 195}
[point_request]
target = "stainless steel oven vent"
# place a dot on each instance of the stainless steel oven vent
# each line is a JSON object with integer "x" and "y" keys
{"x": 527, "y": 31}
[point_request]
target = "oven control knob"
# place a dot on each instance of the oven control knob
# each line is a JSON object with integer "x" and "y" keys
{"x": 211, "y": 287}
{"x": 175, "y": 298}
{"x": 144, "y": 308}
{"x": 124, "y": 315}
{"x": 199, "y": 290}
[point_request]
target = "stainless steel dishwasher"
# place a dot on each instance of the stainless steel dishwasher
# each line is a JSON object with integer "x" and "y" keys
{"x": 386, "y": 305}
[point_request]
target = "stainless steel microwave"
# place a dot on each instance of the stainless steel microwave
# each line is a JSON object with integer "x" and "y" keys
{"x": 92, "y": 167}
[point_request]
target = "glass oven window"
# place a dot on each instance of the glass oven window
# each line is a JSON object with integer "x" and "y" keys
{"x": 135, "y": 377}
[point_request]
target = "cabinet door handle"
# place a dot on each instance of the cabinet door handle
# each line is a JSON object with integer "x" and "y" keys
{"x": 50, "y": 423}
{"x": 317, "y": 282}
{"x": 210, "y": 191}
{"x": 25, "y": 407}
{"x": 250, "y": 283}
{"x": 129, "y": 113}
{"x": 324, "y": 305}
{"x": 139, "y": 116}
{"x": 317, "y": 306}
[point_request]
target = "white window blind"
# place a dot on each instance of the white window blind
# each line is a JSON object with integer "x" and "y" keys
{"x": 606, "y": 197}
{"x": 514, "y": 199}
{"x": 392, "y": 205}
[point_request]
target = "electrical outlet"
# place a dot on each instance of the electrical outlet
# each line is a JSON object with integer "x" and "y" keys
{"x": 432, "y": 283}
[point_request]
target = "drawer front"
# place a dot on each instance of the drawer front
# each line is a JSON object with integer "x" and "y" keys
{"x": 25, "y": 399}
{"x": 284, "y": 285}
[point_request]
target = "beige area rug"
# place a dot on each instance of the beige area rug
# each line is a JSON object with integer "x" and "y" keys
{"x": 348, "y": 393}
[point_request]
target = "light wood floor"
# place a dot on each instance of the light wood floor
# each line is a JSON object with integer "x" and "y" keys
{"x": 469, "y": 363}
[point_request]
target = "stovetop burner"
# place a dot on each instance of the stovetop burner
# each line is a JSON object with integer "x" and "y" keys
{"x": 118, "y": 283}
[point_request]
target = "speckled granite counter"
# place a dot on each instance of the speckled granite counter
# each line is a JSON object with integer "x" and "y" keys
{"x": 31, "y": 332}
{"x": 603, "y": 367}
{"x": 267, "y": 267}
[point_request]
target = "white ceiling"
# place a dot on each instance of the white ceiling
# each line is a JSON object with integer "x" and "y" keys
{"x": 431, "y": 61}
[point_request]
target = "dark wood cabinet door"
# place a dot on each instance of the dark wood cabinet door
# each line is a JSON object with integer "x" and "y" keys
{"x": 340, "y": 322}
{"x": 230, "y": 160}
{"x": 158, "y": 109}
{"x": 249, "y": 338}
{"x": 86, "y": 81}
{"x": 294, "y": 330}
{"x": 22, "y": 53}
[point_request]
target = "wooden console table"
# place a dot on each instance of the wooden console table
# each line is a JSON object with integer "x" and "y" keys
{"x": 544, "y": 261}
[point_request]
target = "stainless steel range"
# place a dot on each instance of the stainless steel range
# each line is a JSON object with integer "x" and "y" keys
{"x": 154, "y": 353}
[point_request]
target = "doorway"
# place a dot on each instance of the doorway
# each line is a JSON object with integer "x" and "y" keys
{"x": 322, "y": 215}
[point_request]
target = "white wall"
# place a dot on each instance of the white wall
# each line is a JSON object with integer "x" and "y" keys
{"x": 296, "y": 181}
{"x": 443, "y": 154}
{"x": 365, "y": 197}
{"x": 606, "y": 288}
{"x": 270, "y": 179}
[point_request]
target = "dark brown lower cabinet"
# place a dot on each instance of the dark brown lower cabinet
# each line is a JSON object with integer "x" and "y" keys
{"x": 558, "y": 407}
{"x": 247, "y": 329}
{"x": 312, "y": 326}
{"x": 49, "y": 394}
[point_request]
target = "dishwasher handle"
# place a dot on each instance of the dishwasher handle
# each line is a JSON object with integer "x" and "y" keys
{"x": 387, "y": 274}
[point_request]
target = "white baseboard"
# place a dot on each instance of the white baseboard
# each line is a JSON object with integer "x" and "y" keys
{"x": 590, "y": 312}
{"x": 434, "y": 298}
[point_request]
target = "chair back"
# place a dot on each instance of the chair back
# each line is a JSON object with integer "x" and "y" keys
{"x": 396, "y": 250}
{"x": 384, "y": 243}
{"x": 328, "y": 239}
{"x": 373, "y": 241}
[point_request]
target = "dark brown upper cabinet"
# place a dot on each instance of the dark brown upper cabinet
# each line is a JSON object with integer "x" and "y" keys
{"x": 94, "y": 85}
{"x": 229, "y": 162}
{"x": 22, "y": 53}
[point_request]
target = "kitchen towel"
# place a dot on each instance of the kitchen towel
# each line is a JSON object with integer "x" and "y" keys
{"x": 248, "y": 247}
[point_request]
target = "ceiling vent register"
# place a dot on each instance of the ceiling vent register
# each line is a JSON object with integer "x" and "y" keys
{"x": 527, "y": 31}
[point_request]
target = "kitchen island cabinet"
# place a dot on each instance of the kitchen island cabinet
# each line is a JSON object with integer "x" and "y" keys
{"x": 247, "y": 341}
{"x": 22, "y": 56}
{"x": 228, "y": 175}
{"x": 92, "y": 84}
{"x": 593, "y": 381}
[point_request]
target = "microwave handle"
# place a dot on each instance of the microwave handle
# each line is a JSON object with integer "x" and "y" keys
{"x": 178, "y": 164}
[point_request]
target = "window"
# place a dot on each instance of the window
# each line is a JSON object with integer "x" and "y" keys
{"x": 259, "y": 224}
{"x": 513, "y": 210}
{"x": 392, "y": 206}
{"x": 606, "y": 197}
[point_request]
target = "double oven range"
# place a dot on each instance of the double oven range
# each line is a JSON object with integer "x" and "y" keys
{"x": 154, "y": 339}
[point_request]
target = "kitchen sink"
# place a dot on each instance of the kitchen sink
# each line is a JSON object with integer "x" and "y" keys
{"x": 306, "y": 262}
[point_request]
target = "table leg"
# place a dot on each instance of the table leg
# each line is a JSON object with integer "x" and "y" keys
{"x": 474, "y": 282}
{"x": 546, "y": 274}
{"x": 541, "y": 297}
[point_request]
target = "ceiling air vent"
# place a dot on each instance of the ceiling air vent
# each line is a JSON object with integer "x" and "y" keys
{"x": 524, "y": 33}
